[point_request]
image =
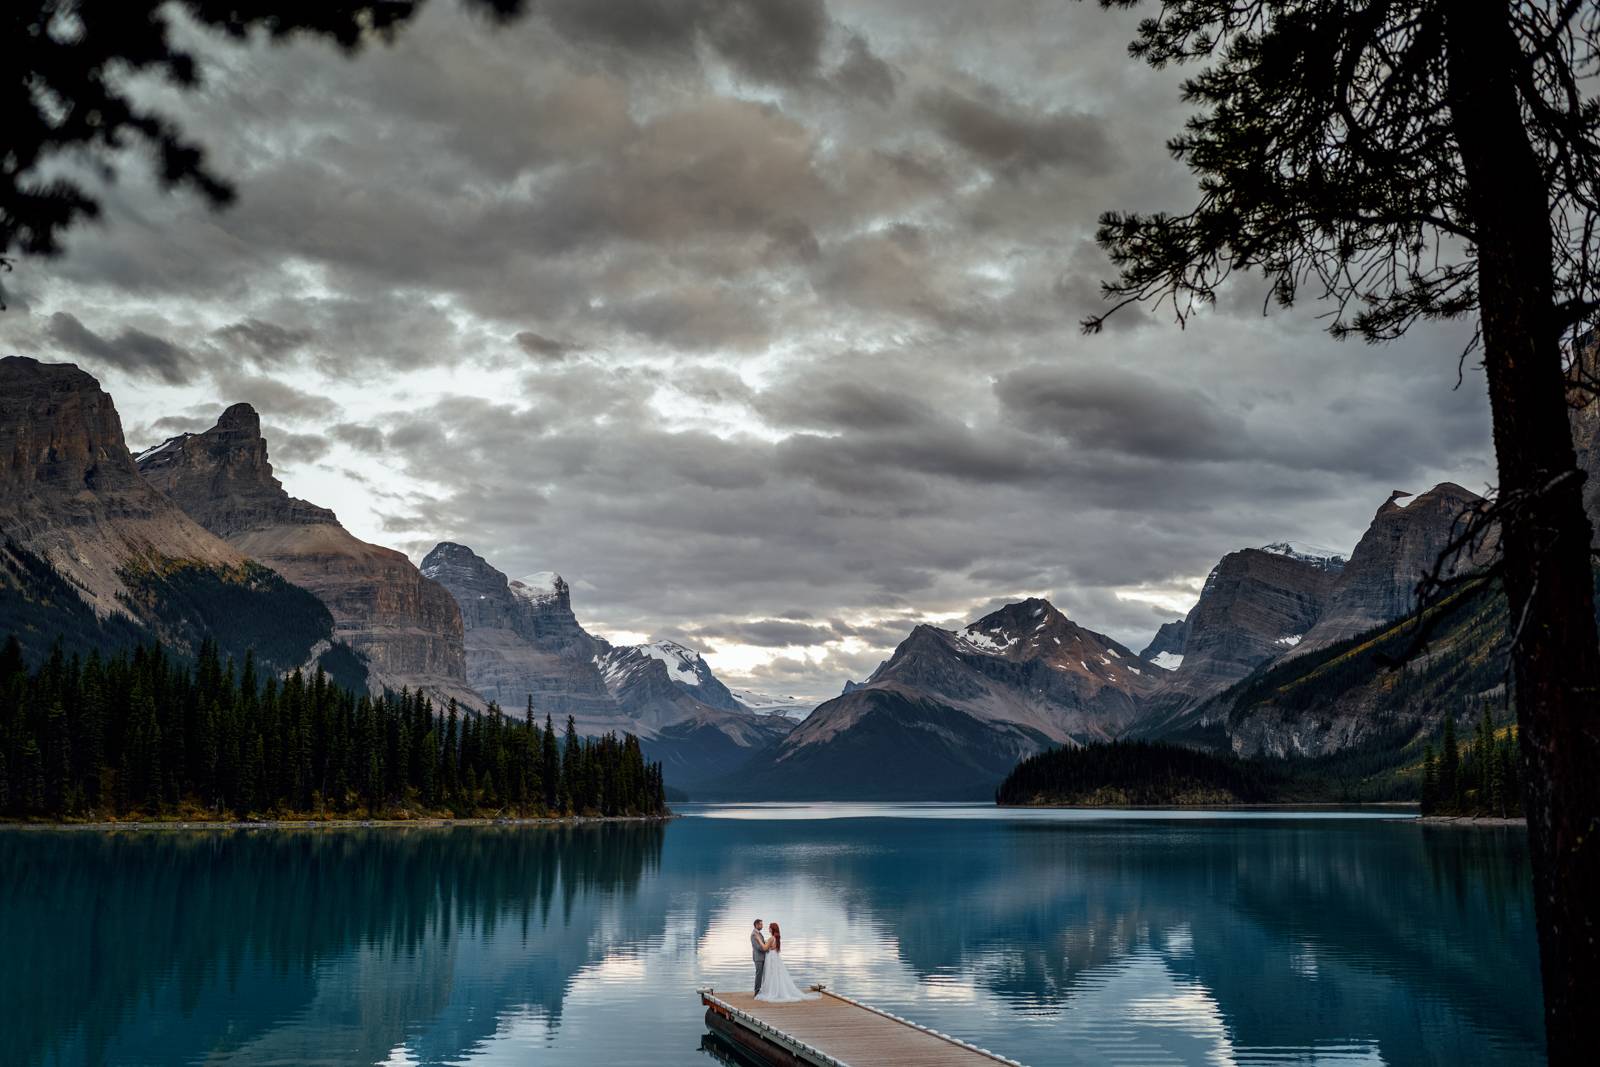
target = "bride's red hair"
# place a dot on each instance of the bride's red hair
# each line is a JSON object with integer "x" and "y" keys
{"x": 777, "y": 936}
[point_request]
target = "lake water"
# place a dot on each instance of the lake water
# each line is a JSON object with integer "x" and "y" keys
{"x": 1054, "y": 937}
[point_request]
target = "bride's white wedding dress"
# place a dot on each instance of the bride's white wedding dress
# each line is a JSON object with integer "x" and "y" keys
{"x": 776, "y": 985}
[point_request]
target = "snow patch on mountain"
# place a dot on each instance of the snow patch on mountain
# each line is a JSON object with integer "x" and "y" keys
{"x": 1167, "y": 660}
{"x": 987, "y": 643}
{"x": 540, "y": 587}
{"x": 156, "y": 450}
{"x": 1325, "y": 558}
{"x": 790, "y": 707}
{"x": 681, "y": 660}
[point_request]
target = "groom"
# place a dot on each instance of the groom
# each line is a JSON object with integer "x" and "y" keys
{"x": 758, "y": 953}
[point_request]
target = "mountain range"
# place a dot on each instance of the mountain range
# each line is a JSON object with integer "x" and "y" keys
{"x": 1288, "y": 650}
{"x": 951, "y": 711}
{"x": 526, "y": 649}
{"x": 93, "y": 556}
{"x": 406, "y": 628}
{"x": 196, "y": 539}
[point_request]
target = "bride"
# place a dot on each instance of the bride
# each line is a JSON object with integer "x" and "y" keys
{"x": 776, "y": 985}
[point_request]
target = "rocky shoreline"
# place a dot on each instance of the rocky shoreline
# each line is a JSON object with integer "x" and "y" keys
{"x": 1469, "y": 820}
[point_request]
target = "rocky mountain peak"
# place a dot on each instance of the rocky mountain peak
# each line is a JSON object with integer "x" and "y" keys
{"x": 1379, "y": 583}
{"x": 71, "y": 494}
{"x": 408, "y": 628}
{"x": 240, "y": 419}
{"x": 543, "y": 587}
{"x": 59, "y": 431}
{"x": 522, "y": 639}
{"x": 1256, "y": 605}
{"x": 537, "y": 606}
{"x": 1323, "y": 558}
{"x": 458, "y": 562}
{"x": 1035, "y": 628}
{"x": 224, "y": 480}
{"x": 631, "y": 669}
{"x": 1165, "y": 649}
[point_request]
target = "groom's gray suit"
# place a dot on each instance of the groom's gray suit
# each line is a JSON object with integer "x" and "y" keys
{"x": 758, "y": 955}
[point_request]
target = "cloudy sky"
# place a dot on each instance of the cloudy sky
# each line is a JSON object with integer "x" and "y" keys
{"x": 756, "y": 320}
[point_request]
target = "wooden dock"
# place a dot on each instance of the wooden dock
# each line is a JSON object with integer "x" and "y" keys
{"x": 835, "y": 1031}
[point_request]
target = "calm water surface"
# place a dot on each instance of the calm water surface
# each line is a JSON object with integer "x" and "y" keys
{"x": 1055, "y": 937}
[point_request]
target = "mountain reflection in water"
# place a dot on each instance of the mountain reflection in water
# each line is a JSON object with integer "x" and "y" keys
{"x": 1061, "y": 939}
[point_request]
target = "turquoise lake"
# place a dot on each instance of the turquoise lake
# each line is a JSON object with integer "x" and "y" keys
{"x": 1054, "y": 937}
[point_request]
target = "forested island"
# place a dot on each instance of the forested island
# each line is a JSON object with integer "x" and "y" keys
{"x": 1136, "y": 774}
{"x": 149, "y": 735}
{"x": 1480, "y": 778}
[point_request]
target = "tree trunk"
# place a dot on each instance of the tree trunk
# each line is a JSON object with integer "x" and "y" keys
{"x": 1545, "y": 541}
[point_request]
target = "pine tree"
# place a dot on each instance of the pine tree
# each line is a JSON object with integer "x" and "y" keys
{"x": 1450, "y": 769}
{"x": 1430, "y": 781}
{"x": 1412, "y": 161}
{"x": 58, "y": 783}
{"x": 571, "y": 754}
{"x": 551, "y": 767}
{"x": 31, "y": 775}
{"x": 449, "y": 755}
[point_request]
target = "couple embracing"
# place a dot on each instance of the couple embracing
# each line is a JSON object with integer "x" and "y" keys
{"x": 773, "y": 983}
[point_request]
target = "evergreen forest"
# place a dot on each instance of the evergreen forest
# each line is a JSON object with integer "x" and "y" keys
{"x": 145, "y": 734}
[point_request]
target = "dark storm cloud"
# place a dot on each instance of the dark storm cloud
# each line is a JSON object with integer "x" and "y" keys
{"x": 755, "y": 320}
{"x": 767, "y": 40}
{"x": 1003, "y": 135}
{"x": 863, "y": 463}
{"x": 142, "y": 436}
{"x": 719, "y": 166}
{"x": 270, "y": 395}
{"x": 264, "y": 342}
{"x": 786, "y": 673}
{"x": 286, "y": 447}
{"x": 844, "y": 405}
{"x": 864, "y": 74}
{"x": 696, "y": 318}
{"x": 542, "y": 347}
{"x": 357, "y": 436}
{"x": 766, "y": 633}
{"x": 1121, "y": 411}
{"x": 130, "y": 350}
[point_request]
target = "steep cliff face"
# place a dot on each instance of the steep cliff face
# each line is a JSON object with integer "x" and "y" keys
{"x": 408, "y": 627}
{"x": 689, "y": 719}
{"x": 661, "y": 682}
{"x": 1400, "y": 546}
{"x": 951, "y": 711}
{"x": 223, "y": 479}
{"x": 71, "y": 493}
{"x": 92, "y": 553}
{"x": 1376, "y": 691}
{"x": 1256, "y": 605}
{"x": 522, "y": 639}
{"x": 1165, "y": 649}
{"x": 524, "y": 643}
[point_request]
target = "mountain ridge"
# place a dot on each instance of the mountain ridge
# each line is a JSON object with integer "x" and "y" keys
{"x": 92, "y": 551}
{"x": 407, "y": 627}
{"x": 948, "y": 713}
{"x": 526, "y": 647}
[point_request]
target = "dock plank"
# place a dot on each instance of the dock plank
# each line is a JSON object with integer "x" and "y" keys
{"x": 850, "y": 1032}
